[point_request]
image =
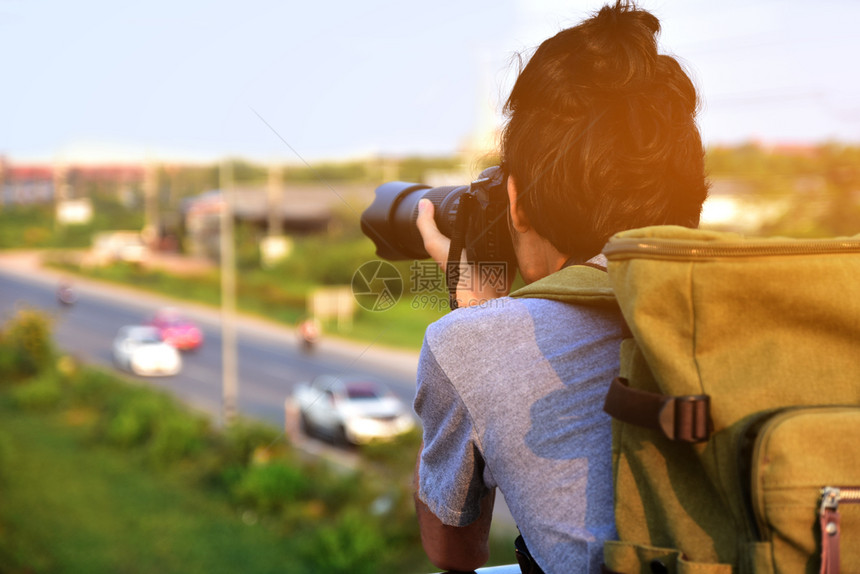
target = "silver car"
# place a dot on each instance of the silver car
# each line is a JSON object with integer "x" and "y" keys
{"x": 351, "y": 410}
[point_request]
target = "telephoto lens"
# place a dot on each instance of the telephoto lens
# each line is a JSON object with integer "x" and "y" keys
{"x": 390, "y": 219}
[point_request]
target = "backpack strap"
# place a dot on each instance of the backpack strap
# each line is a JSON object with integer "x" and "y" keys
{"x": 685, "y": 418}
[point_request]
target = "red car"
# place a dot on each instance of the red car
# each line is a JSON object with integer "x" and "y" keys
{"x": 177, "y": 330}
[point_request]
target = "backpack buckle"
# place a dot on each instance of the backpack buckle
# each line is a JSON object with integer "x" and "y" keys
{"x": 686, "y": 418}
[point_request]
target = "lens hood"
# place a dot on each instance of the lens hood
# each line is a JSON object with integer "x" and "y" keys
{"x": 379, "y": 221}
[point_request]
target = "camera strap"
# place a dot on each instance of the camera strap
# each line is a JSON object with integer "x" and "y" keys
{"x": 458, "y": 243}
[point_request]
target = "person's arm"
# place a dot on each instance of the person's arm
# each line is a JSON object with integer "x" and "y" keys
{"x": 457, "y": 548}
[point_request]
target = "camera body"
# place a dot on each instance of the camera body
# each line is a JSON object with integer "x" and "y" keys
{"x": 479, "y": 211}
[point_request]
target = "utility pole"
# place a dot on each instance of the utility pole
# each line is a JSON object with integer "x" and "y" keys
{"x": 61, "y": 190}
{"x": 151, "y": 222}
{"x": 229, "y": 381}
{"x": 275, "y": 201}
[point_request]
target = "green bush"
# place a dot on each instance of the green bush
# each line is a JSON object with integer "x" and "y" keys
{"x": 176, "y": 436}
{"x": 92, "y": 387}
{"x": 270, "y": 487}
{"x": 26, "y": 343}
{"x": 135, "y": 418}
{"x": 234, "y": 448}
{"x": 128, "y": 428}
{"x": 40, "y": 393}
{"x": 19, "y": 556}
{"x": 338, "y": 490}
{"x": 242, "y": 438}
{"x": 6, "y": 454}
{"x": 316, "y": 262}
{"x": 8, "y": 361}
{"x": 352, "y": 544}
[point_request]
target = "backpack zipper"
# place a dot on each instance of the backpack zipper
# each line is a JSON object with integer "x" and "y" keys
{"x": 670, "y": 248}
{"x": 833, "y": 496}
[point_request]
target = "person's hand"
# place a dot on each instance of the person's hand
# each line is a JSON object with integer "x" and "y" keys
{"x": 472, "y": 289}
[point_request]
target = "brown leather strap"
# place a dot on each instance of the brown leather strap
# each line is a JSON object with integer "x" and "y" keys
{"x": 685, "y": 418}
{"x": 830, "y": 529}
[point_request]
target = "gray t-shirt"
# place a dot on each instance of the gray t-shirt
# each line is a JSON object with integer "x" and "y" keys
{"x": 511, "y": 395}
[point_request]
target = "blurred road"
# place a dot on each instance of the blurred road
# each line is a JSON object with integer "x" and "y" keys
{"x": 270, "y": 361}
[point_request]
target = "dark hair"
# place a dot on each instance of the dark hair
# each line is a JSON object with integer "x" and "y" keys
{"x": 601, "y": 134}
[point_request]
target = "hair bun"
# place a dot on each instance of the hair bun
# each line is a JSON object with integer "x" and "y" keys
{"x": 619, "y": 47}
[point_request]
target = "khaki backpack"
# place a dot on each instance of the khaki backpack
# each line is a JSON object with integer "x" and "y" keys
{"x": 736, "y": 431}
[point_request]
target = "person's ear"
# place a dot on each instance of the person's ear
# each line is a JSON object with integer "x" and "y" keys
{"x": 519, "y": 219}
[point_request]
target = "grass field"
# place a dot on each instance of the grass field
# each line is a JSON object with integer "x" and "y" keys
{"x": 70, "y": 504}
{"x": 67, "y": 506}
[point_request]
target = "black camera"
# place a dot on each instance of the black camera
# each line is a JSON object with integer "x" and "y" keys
{"x": 474, "y": 216}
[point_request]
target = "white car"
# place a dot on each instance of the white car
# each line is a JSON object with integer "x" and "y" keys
{"x": 351, "y": 410}
{"x": 141, "y": 350}
{"x": 112, "y": 246}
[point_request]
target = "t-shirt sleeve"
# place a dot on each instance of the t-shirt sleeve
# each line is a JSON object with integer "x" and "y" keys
{"x": 451, "y": 465}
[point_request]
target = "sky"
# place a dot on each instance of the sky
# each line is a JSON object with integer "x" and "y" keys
{"x": 288, "y": 81}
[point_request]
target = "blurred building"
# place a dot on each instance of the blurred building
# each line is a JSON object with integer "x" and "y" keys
{"x": 298, "y": 209}
{"x": 40, "y": 183}
{"x": 25, "y": 184}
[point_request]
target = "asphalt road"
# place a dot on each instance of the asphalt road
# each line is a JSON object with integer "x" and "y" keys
{"x": 270, "y": 361}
